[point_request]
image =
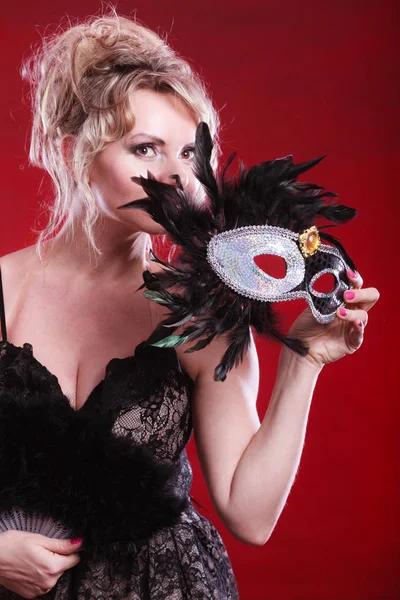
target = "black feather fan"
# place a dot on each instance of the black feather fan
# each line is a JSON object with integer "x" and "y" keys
{"x": 198, "y": 300}
{"x": 68, "y": 466}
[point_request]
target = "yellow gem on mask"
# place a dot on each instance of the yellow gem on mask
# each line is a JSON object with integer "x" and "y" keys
{"x": 309, "y": 241}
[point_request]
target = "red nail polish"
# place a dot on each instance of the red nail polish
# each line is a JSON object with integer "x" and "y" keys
{"x": 76, "y": 540}
{"x": 360, "y": 323}
{"x": 349, "y": 295}
{"x": 352, "y": 274}
{"x": 343, "y": 312}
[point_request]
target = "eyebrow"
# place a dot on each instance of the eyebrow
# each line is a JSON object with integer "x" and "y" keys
{"x": 153, "y": 138}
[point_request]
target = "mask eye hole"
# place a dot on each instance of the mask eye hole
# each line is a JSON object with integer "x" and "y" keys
{"x": 272, "y": 265}
{"x": 314, "y": 284}
{"x": 325, "y": 284}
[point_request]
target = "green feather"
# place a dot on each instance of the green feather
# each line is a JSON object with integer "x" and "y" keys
{"x": 156, "y": 297}
{"x": 171, "y": 341}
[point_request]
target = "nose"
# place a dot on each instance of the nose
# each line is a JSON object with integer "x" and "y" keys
{"x": 174, "y": 175}
{"x": 181, "y": 182}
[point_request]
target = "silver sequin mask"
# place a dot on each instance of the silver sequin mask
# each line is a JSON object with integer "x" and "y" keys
{"x": 231, "y": 255}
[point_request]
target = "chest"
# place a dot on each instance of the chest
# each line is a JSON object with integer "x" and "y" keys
{"x": 76, "y": 331}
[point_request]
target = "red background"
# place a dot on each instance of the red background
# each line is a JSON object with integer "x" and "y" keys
{"x": 306, "y": 78}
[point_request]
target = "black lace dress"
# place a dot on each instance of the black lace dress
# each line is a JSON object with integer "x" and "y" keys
{"x": 156, "y": 545}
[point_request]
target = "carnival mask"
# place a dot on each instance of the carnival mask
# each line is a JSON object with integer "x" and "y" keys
{"x": 214, "y": 287}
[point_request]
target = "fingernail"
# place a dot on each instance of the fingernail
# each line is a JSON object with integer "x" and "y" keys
{"x": 76, "y": 540}
{"x": 343, "y": 312}
{"x": 349, "y": 295}
{"x": 352, "y": 274}
{"x": 360, "y": 323}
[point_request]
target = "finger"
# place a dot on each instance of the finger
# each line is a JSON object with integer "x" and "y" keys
{"x": 62, "y": 563}
{"x": 355, "y": 334}
{"x": 355, "y": 279}
{"x": 365, "y": 298}
{"x": 357, "y": 320}
{"x": 61, "y": 546}
{"x": 353, "y": 316}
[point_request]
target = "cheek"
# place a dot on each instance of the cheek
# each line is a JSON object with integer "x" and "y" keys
{"x": 112, "y": 184}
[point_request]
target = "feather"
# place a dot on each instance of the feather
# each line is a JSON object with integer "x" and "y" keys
{"x": 204, "y": 307}
{"x": 171, "y": 341}
{"x": 105, "y": 488}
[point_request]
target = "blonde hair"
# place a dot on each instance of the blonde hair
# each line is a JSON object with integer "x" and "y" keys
{"x": 81, "y": 79}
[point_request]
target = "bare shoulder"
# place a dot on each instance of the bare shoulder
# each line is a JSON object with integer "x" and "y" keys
{"x": 204, "y": 362}
{"x": 14, "y": 267}
{"x": 201, "y": 364}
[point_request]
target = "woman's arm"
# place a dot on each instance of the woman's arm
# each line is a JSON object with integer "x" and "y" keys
{"x": 250, "y": 468}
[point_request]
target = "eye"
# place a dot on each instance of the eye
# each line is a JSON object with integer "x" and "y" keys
{"x": 143, "y": 150}
{"x": 189, "y": 153}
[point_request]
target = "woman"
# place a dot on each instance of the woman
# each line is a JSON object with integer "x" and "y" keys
{"x": 112, "y": 100}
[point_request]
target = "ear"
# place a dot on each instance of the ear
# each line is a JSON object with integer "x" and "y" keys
{"x": 67, "y": 151}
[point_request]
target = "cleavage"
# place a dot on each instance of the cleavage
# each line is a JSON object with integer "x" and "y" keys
{"x": 81, "y": 381}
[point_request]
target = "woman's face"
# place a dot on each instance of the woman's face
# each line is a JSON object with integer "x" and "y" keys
{"x": 161, "y": 141}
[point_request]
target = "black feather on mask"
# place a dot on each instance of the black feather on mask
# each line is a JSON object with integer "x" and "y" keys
{"x": 201, "y": 304}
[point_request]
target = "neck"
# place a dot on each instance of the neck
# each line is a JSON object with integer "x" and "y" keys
{"x": 123, "y": 253}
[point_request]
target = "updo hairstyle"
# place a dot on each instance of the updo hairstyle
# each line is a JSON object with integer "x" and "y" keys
{"x": 81, "y": 79}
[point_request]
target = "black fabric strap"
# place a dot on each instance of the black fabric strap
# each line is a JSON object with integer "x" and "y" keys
{"x": 2, "y": 313}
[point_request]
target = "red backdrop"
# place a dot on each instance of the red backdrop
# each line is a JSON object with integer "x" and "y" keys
{"x": 305, "y": 78}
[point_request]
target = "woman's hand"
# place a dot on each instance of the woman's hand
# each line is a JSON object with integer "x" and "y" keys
{"x": 31, "y": 564}
{"x": 344, "y": 335}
